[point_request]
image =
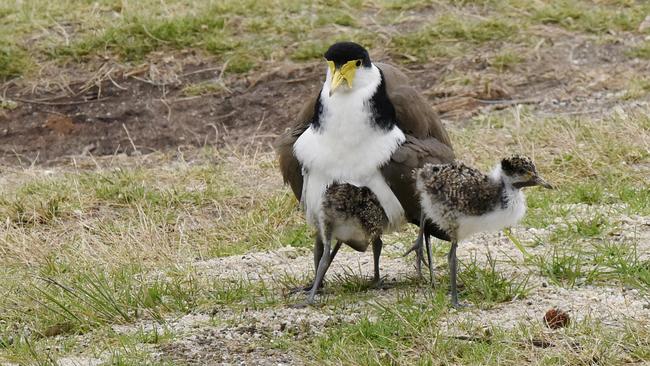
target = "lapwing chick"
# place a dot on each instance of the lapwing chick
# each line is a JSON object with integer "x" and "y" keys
{"x": 350, "y": 215}
{"x": 462, "y": 201}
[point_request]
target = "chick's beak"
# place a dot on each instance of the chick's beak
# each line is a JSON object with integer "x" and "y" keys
{"x": 541, "y": 182}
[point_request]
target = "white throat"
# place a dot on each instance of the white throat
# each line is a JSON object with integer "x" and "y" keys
{"x": 348, "y": 147}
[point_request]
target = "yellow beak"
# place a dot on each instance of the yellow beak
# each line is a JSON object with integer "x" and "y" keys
{"x": 337, "y": 79}
{"x": 345, "y": 72}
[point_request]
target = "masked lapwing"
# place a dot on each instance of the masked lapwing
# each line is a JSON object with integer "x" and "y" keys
{"x": 462, "y": 201}
{"x": 369, "y": 127}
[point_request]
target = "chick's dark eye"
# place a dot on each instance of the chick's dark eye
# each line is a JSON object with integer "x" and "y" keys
{"x": 358, "y": 63}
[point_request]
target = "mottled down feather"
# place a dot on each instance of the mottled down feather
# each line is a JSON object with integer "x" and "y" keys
{"x": 345, "y": 201}
{"x": 467, "y": 190}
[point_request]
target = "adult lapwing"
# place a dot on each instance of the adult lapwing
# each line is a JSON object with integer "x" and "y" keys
{"x": 369, "y": 127}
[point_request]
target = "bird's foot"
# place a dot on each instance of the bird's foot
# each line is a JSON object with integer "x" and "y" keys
{"x": 303, "y": 289}
{"x": 378, "y": 284}
{"x": 460, "y": 305}
{"x": 300, "y": 305}
{"x": 419, "y": 254}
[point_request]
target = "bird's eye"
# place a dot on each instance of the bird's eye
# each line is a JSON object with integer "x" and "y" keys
{"x": 358, "y": 63}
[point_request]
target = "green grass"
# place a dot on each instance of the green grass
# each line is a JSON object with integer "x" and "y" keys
{"x": 505, "y": 60}
{"x": 486, "y": 286}
{"x": 621, "y": 262}
{"x": 450, "y": 35}
{"x": 637, "y": 88}
{"x": 204, "y": 88}
{"x": 566, "y": 266}
{"x": 247, "y": 34}
{"x": 589, "y": 17}
{"x": 641, "y": 51}
{"x": 81, "y": 299}
{"x": 83, "y": 249}
{"x": 411, "y": 332}
{"x": 382, "y": 340}
{"x": 13, "y": 61}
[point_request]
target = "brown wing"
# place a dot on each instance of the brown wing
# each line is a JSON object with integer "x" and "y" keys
{"x": 289, "y": 165}
{"x": 413, "y": 154}
{"x": 414, "y": 116}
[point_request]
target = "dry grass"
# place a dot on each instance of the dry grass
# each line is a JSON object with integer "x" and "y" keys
{"x": 110, "y": 226}
{"x": 114, "y": 240}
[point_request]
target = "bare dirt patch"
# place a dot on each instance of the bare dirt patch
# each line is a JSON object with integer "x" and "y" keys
{"x": 131, "y": 111}
{"x": 185, "y": 99}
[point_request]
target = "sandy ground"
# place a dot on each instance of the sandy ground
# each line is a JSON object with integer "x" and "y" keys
{"x": 254, "y": 336}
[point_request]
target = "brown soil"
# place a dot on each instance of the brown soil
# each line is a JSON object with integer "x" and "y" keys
{"x": 142, "y": 109}
{"x": 125, "y": 113}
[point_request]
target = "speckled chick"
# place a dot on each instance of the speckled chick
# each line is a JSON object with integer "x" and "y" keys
{"x": 353, "y": 215}
{"x": 463, "y": 201}
{"x": 350, "y": 215}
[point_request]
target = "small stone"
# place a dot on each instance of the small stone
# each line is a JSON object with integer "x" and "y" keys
{"x": 556, "y": 318}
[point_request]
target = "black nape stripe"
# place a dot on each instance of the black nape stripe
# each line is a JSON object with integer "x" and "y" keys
{"x": 318, "y": 111}
{"x": 383, "y": 110}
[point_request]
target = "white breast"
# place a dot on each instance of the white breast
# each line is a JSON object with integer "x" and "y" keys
{"x": 348, "y": 148}
{"x": 494, "y": 220}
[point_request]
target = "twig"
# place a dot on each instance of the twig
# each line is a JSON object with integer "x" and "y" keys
{"x": 146, "y": 31}
{"x": 115, "y": 83}
{"x": 135, "y": 149}
{"x": 148, "y": 81}
{"x": 202, "y": 71}
{"x": 509, "y": 101}
{"x": 299, "y": 80}
{"x": 59, "y": 103}
{"x": 169, "y": 109}
{"x": 535, "y": 342}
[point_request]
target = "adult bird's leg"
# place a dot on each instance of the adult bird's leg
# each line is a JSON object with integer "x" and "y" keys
{"x": 376, "y": 253}
{"x": 323, "y": 265}
{"x": 427, "y": 243}
{"x": 453, "y": 273}
{"x": 318, "y": 253}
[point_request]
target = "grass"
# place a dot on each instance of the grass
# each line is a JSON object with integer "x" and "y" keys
{"x": 450, "y": 35}
{"x": 245, "y": 36}
{"x": 589, "y": 17}
{"x": 505, "y": 60}
{"x": 487, "y": 286}
{"x": 409, "y": 332}
{"x": 637, "y": 88}
{"x": 84, "y": 249}
{"x": 104, "y": 246}
{"x": 204, "y": 88}
{"x": 87, "y": 248}
{"x": 641, "y": 51}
